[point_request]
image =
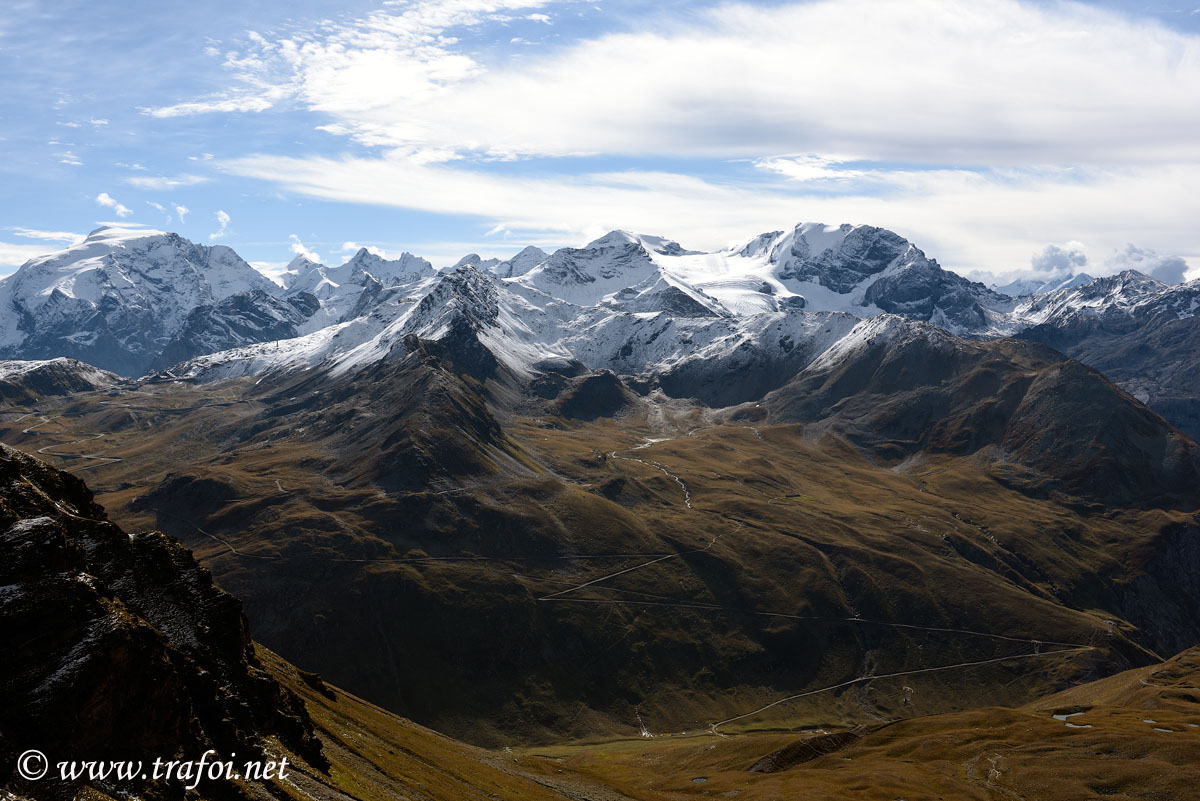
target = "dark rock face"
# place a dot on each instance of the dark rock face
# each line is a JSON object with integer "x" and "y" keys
{"x": 908, "y": 283}
{"x": 745, "y": 374}
{"x": 749, "y": 369}
{"x": 606, "y": 258}
{"x": 670, "y": 299}
{"x": 119, "y": 647}
{"x": 55, "y": 377}
{"x": 108, "y": 334}
{"x": 462, "y": 305}
{"x": 243, "y": 319}
{"x": 597, "y": 395}
{"x": 912, "y": 387}
{"x": 1164, "y": 597}
{"x": 924, "y": 291}
{"x": 865, "y": 251}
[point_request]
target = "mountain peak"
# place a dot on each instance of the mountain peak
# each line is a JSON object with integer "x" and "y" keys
{"x": 614, "y": 238}
{"x": 518, "y": 265}
{"x": 115, "y": 233}
{"x": 133, "y": 286}
{"x": 364, "y": 256}
{"x": 407, "y": 268}
{"x": 301, "y": 262}
{"x": 1023, "y": 287}
{"x": 758, "y": 245}
{"x": 620, "y": 238}
{"x": 477, "y": 261}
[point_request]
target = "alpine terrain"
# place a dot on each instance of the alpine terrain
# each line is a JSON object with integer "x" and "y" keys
{"x": 628, "y": 520}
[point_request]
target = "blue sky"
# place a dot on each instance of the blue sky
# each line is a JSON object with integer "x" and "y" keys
{"x": 986, "y": 131}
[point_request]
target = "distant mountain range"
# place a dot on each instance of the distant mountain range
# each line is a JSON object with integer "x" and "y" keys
{"x": 137, "y": 301}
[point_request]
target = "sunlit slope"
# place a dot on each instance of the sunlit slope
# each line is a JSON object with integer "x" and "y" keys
{"x": 1135, "y": 735}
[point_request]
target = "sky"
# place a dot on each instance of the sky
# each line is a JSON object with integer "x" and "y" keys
{"x": 1006, "y": 139}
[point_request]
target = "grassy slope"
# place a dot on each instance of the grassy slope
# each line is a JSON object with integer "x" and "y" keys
{"x": 987, "y": 754}
{"x": 820, "y": 525}
{"x": 802, "y": 529}
{"x": 378, "y": 756}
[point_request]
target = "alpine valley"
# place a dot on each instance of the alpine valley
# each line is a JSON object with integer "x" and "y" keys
{"x": 807, "y": 517}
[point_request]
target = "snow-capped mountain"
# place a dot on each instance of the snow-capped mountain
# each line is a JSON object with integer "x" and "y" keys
{"x": 464, "y": 307}
{"x": 860, "y": 270}
{"x": 586, "y": 276}
{"x": 722, "y": 327}
{"x": 1035, "y": 286}
{"x": 1142, "y": 333}
{"x": 478, "y": 262}
{"x": 354, "y": 288}
{"x": 520, "y": 264}
{"x": 116, "y": 299}
{"x": 1128, "y": 294}
{"x": 26, "y": 381}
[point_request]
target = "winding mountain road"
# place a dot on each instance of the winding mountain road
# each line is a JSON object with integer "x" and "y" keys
{"x": 99, "y": 457}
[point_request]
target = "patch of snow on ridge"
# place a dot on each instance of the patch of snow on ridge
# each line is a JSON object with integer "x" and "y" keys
{"x": 16, "y": 369}
{"x": 882, "y": 329}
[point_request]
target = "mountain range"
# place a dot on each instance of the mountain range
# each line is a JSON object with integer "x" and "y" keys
{"x": 136, "y": 301}
{"x": 810, "y": 483}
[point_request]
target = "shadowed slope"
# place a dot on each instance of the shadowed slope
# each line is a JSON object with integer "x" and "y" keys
{"x": 899, "y": 388}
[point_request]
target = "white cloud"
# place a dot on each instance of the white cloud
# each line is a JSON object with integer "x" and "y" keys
{"x": 262, "y": 103}
{"x": 407, "y": 51}
{"x": 14, "y": 255}
{"x": 161, "y": 183}
{"x": 67, "y": 237}
{"x": 354, "y": 247}
{"x": 275, "y": 270}
{"x": 106, "y": 200}
{"x": 926, "y": 80}
{"x": 223, "y": 219}
{"x": 966, "y": 219}
{"x": 1171, "y": 269}
{"x": 300, "y": 250}
{"x": 160, "y": 208}
{"x": 181, "y": 212}
{"x": 812, "y": 168}
{"x": 70, "y": 159}
{"x": 1060, "y": 117}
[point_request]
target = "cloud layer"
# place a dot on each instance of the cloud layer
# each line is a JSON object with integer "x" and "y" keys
{"x": 932, "y": 81}
{"x": 983, "y": 130}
